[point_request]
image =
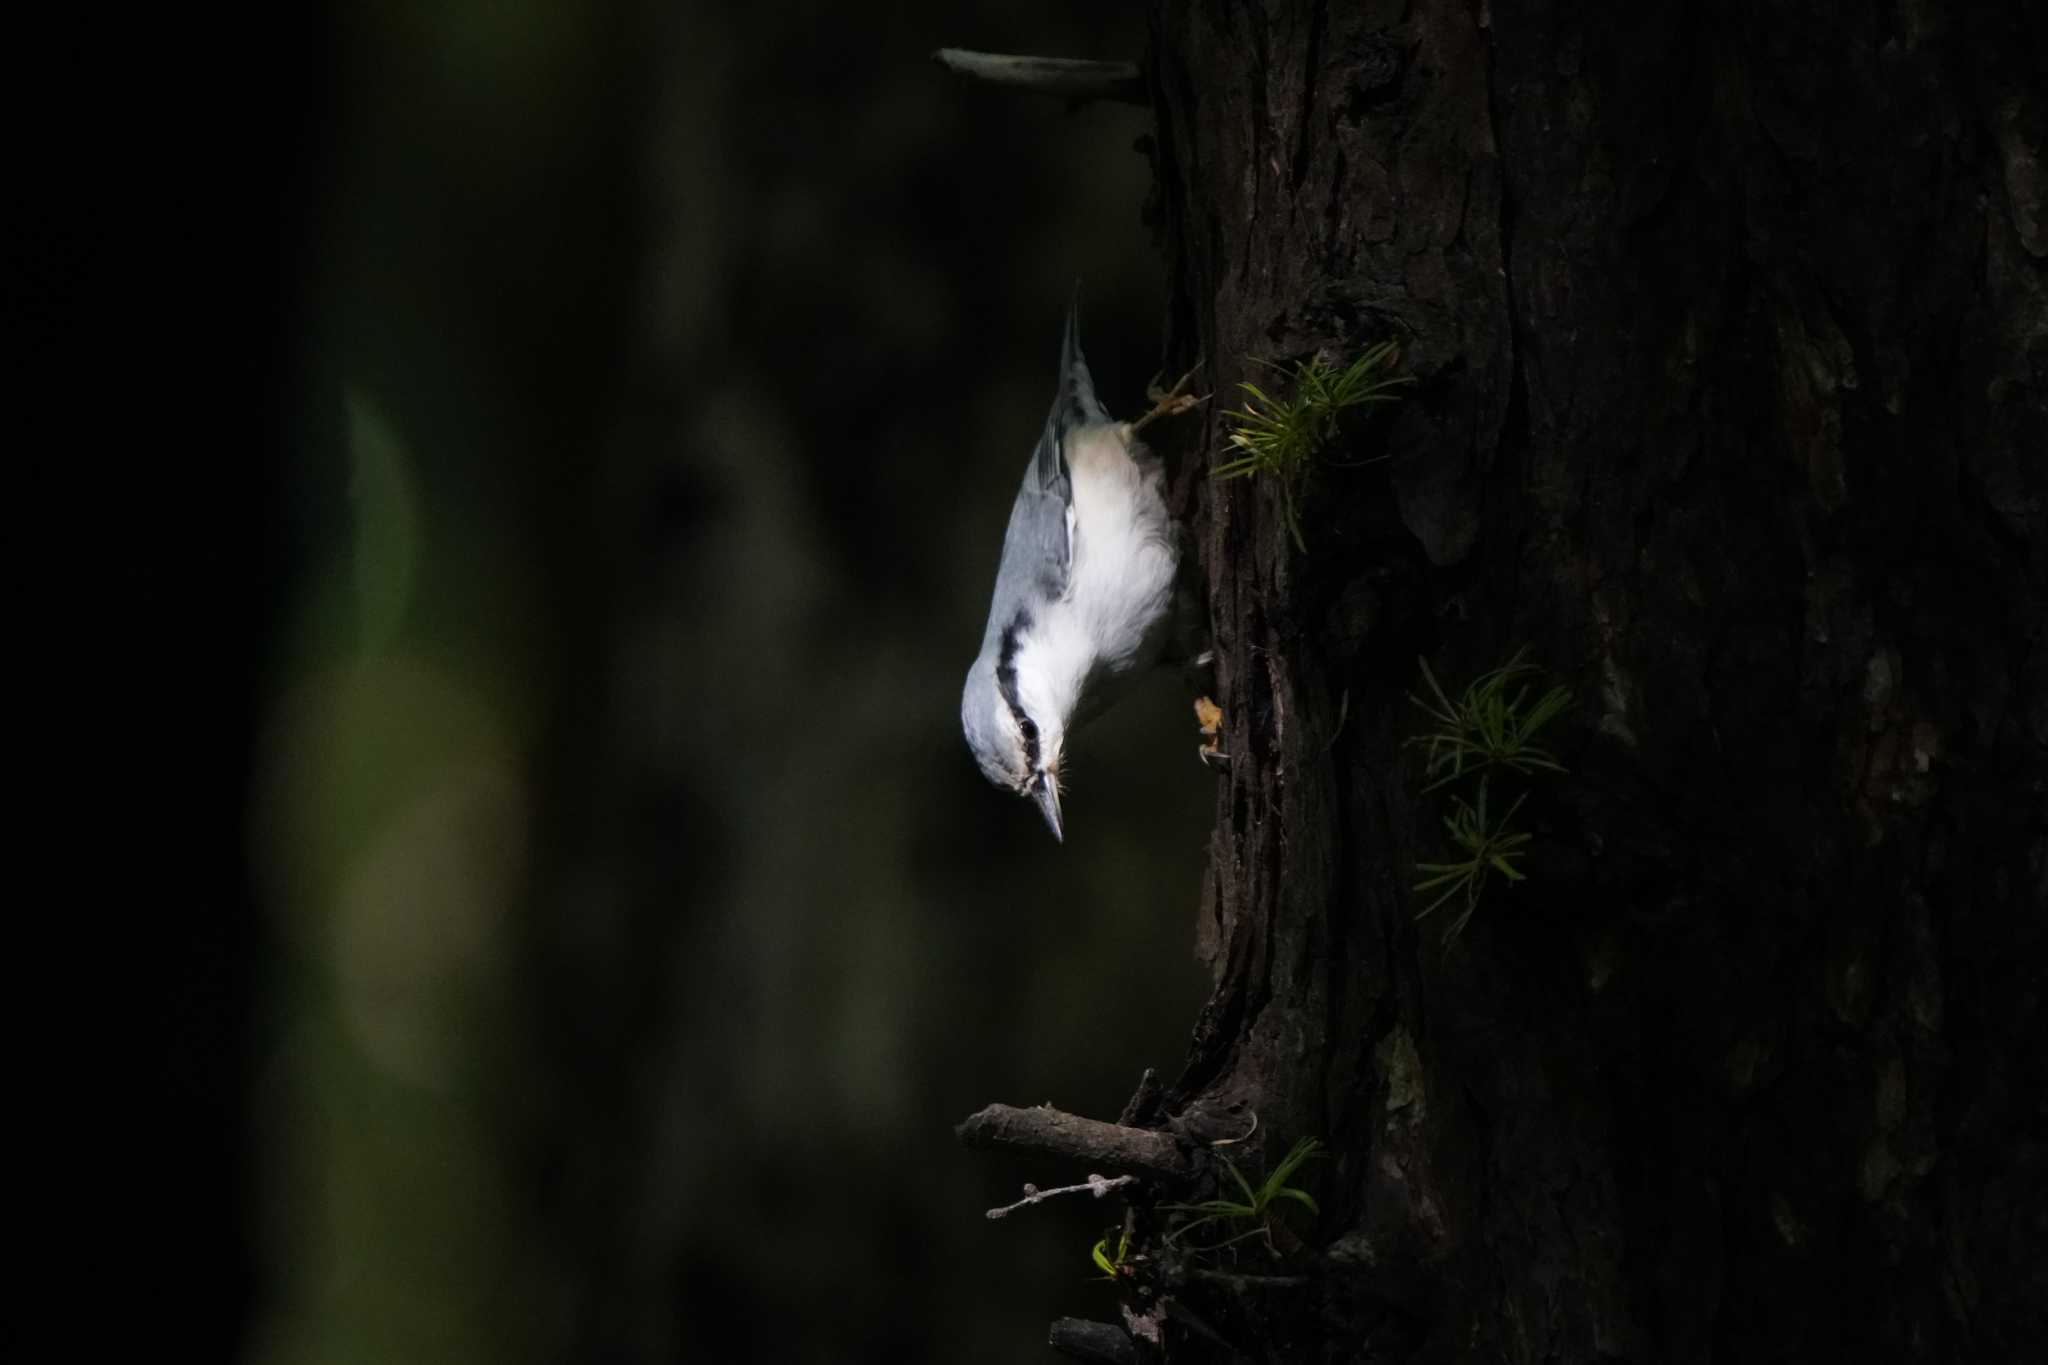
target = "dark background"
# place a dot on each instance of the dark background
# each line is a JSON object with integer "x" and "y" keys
{"x": 568, "y": 472}
{"x": 518, "y": 484}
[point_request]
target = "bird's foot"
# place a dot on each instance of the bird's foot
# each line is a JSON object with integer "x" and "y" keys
{"x": 1209, "y": 716}
{"x": 1169, "y": 402}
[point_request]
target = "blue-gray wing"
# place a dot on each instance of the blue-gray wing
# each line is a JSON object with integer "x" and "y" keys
{"x": 1036, "y": 552}
{"x": 1074, "y": 404}
{"x": 1039, "y": 546}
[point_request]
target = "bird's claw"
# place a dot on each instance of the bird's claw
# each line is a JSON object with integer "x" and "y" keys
{"x": 1170, "y": 402}
{"x": 1209, "y": 716}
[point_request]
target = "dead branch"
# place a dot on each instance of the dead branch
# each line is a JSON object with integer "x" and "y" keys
{"x": 1056, "y": 1133}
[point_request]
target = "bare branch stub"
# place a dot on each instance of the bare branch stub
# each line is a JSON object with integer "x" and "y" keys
{"x": 1099, "y": 1342}
{"x": 1057, "y": 1133}
{"x": 1063, "y": 77}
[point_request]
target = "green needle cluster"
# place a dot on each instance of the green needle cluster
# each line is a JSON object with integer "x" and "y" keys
{"x": 1279, "y": 438}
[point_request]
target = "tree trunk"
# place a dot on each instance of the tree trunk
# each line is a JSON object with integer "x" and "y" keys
{"x": 1729, "y": 338}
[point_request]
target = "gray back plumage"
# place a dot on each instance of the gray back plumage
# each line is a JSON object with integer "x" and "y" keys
{"x": 1037, "y": 546}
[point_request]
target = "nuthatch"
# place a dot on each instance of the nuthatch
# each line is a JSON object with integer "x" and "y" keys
{"x": 1083, "y": 592}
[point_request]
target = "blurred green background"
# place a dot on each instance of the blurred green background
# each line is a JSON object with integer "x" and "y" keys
{"x": 630, "y": 925}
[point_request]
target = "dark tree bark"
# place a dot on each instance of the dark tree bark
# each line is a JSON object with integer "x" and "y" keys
{"x": 1730, "y": 332}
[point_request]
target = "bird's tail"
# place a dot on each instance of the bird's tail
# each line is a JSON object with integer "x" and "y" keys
{"x": 1074, "y": 403}
{"x": 1077, "y": 403}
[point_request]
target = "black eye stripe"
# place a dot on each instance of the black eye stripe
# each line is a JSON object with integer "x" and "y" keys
{"x": 1006, "y": 684}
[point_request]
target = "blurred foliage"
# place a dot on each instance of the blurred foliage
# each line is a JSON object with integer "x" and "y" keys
{"x": 641, "y": 926}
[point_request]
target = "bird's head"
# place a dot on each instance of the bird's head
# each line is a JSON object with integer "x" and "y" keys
{"x": 1017, "y": 731}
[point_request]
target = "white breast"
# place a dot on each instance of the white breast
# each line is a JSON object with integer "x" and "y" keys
{"x": 1124, "y": 552}
{"x": 1120, "y": 580}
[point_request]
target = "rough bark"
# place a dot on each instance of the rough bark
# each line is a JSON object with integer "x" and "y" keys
{"x": 1730, "y": 331}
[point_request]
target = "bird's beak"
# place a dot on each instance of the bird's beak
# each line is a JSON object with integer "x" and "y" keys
{"x": 1046, "y": 791}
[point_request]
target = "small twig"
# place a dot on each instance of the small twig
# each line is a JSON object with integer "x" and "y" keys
{"x": 1064, "y": 77}
{"x": 1053, "y": 1131}
{"x": 1097, "y": 1185}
